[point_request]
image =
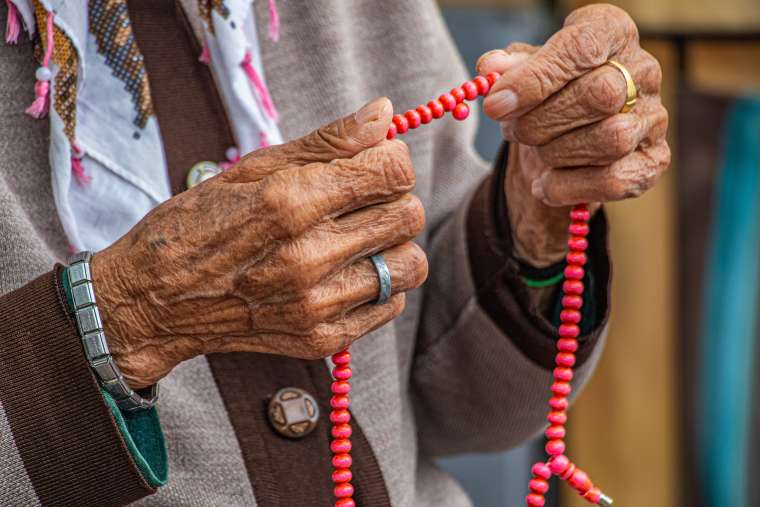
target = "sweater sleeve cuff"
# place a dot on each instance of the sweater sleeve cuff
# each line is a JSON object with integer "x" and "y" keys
{"x": 141, "y": 430}
{"x": 68, "y": 439}
{"x": 501, "y": 290}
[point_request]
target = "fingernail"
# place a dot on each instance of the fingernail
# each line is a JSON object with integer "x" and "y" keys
{"x": 371, "y": 111}
{"x": 537, "y": 189}
{"x": 501, "y": 103}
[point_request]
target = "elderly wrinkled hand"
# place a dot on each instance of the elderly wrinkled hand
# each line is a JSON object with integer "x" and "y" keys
{"x": 560, "y": 107}
{"x": 270, "y": 256}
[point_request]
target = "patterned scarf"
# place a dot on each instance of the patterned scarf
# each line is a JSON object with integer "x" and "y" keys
{"x": 105, "y": 142}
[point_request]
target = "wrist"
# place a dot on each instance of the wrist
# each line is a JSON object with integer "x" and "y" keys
{"x": 539, "y": 232}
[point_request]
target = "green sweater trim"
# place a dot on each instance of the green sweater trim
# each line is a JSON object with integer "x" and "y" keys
{"x": 141, "y": 430}
{"x": 142, "y": 433}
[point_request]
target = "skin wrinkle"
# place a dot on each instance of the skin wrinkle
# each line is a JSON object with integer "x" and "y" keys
{"x": 568, "y": 144}
{"x": 227, "y": 237}
{"x": 269, "y": 261}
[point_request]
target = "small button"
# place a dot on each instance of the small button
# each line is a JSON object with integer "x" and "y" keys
{"x": 200, "y": 172}
{"x": 293, "y": 412}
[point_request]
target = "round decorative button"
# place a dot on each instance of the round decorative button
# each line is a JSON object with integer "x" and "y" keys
{"x": 293, "y": 412}
{"x": 202, "y": 171}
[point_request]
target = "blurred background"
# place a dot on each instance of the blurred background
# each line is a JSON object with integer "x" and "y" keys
{"x": 669, "y": 418}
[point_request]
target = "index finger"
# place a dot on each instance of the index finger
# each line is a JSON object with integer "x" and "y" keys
{"x": 590, "y": 36}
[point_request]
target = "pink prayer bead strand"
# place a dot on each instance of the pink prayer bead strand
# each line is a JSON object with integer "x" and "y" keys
{"x": 572, "y": 302}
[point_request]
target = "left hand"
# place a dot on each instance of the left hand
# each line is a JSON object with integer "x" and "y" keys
{"x": 559, "y": 106}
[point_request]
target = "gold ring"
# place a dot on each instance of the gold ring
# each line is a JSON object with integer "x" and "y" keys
{"x": 631, "y": 92}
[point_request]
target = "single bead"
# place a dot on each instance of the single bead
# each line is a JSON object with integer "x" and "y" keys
{"x": 555, "y": 432}
{"x": 436, "y": 108}
{"x": 554, "y": 447}
{"x": 413, "y": 117}
{"x": 457, "y": 93}
{"x": 576, "y": 258}
{"x": 426, "y": 115}
{"x": 492, "y": 77}
{"x": 342, "y": 372}
{"x": 594, "y": 495}
{"x": 557, "y": 417}
{"x": 567, "y": 344}
{"x": 541, "y": 470}
{"x": 569, "y": 331}
{"x": 568, "y": 471}
{"x": 574, "y": 272}
{"x": 43, "y": 74}
{"x": 539, "y": 486}
{"x": 570, "y": 316}
{"x": 342, "y": 475}
{"x": 341, "y": 431}
{"x": 580, "y": 215}
{"x": 341, "y": 358}
{"x": 482, "y": 84}
{"x": 232, "y": 154}
{"x": 535, "y": 500}
{"x": 565, "y": 359}
{"x": 561, "y": 388}
{"x": 344, "y": 490}
{"x": 470, "y": 90}
{"x": 340, "y": 446}
{"x": 578, "y": 228}
{"x": 461, "y": 111}
{"x": 563, "y": 373}
{"x": 342, "y": 461}
{"x": 558, "y": 403}
{"x": 340, "y": 416}
{"x": 341, "y": 387}
{"x": 572, "y": 287}
{"x": 448, "y": 101}
{"x": 392, "y": 131}
{"x": 402, "y": 124}
{"x": 339, "y": 401}
{"x": 345, "y": 502}
{"x": 578, "y": 243}
{"x": 580, "y": 481}
{"x": 574, "y": 301}
{"x": 559, "y": 464}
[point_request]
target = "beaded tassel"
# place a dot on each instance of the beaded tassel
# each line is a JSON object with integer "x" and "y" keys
{"x": 41, "y": 104}
{"x": 569, "y": 330}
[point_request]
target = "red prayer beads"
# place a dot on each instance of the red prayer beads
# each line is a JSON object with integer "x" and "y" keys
{"x": 572, "y": 301}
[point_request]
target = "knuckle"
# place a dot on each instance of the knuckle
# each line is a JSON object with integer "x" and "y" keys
{"x": 397, "y": 166}
{"x": 651, "y": 74}
{"x": 623, "y": 137}
{"x": 606, "y": 93}
{"x": 413, "y": 214}
{"x": 585, "y": 46}
{"x": 417, "y": 265}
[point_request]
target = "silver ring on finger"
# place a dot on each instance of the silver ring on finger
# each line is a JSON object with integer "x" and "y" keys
{"x": 384, "y": 276}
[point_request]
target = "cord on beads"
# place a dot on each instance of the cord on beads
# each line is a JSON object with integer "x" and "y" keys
{"x": 567, "y": 344}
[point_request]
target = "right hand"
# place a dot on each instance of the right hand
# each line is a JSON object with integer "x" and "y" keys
{"x": 270, "y": 256}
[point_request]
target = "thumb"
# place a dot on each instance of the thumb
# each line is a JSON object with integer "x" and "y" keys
{"x": 345, "y": 137}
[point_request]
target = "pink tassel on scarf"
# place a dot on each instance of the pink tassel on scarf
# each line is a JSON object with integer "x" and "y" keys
{"x": 41, "y": 104}
{"x": 13, "y": 24}
{"x": 258, "y": 84}
{"x": 205, "y": 55}
{"x": 77, "y": 167}
{"x": 274, "y": 21}
{"x": 263, "y": 140}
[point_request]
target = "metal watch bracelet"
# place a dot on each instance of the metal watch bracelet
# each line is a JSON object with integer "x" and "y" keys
{"x": 93, "y": 337}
